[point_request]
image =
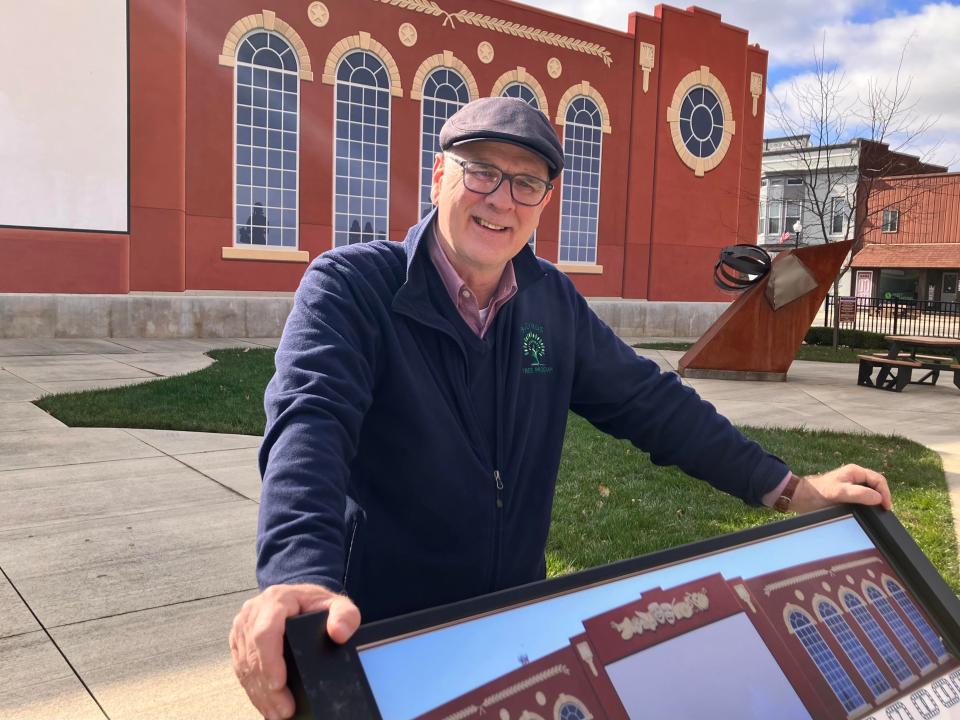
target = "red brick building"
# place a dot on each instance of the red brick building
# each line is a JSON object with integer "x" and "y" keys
{"x": 837, "y": 638}
{"x": 911, "y": 239}
{"x": 261, "y": 137}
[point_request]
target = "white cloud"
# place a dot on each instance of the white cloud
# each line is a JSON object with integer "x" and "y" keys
{"x": 865, "y": 52}
{"x": 860, "y": 50}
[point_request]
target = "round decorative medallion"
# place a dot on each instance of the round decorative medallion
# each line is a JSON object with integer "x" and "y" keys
{"x": 504, "y": 714}
{"x": 541, "y": 698}
{"x": 825, "y": 586}
{"x": 798, "y": 595}
{"x": 485, "y": 52}
{"x": 871, "y": 573}
{"x": 408, "y": 34}
{"x": 318, "y": 14}
{"x": 701, "y": 121}
{"x": 850, "y": 579}
{"x": 554, "y": 67}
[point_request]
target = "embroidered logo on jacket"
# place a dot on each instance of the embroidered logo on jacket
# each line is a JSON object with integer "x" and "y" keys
{"x": 534, "y": 349}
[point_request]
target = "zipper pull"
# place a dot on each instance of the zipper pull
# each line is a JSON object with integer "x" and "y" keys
{"x": 499, "y": 481}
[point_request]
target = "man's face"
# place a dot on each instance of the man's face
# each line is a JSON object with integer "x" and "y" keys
{"x": 482, "y": 233}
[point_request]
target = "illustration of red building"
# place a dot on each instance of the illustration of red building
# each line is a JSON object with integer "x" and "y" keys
{"x": 836, "y": 638}
{"x": 259, "y": 137}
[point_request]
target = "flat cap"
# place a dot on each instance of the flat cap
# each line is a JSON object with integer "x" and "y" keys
{"x": 504, "y": 119}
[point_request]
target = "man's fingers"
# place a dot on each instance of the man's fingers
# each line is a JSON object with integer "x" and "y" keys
{"x": 343, "y": 620}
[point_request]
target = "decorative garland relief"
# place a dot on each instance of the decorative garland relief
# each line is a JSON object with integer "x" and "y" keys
{"x": 467, "y": 17}
{"x": 665, "y": 613}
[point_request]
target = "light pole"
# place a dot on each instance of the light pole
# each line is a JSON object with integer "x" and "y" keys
{"x": 797, "y": 229}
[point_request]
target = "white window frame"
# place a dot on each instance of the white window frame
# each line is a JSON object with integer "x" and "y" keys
{"x": 424, "y": 206}
{"x": 891, "y": 220}
{"x": 838, "y": 200}
{"x": 566, "y": 187}
{"x": 267, "y": 246}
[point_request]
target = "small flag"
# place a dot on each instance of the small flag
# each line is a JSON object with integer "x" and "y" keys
{"x": 786, "y": 236}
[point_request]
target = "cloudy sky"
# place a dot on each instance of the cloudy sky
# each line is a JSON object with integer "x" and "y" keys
{"x": 863, "y": 40}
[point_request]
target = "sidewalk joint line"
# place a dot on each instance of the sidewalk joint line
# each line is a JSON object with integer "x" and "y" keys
{"x": 54, "y": 642}
{"x": 154, "y": 607}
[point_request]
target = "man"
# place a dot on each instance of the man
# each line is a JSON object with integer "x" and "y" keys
{"x": 416, "y": 418}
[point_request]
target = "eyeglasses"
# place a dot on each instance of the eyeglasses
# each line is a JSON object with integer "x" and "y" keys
{"x": 484, "y": 178}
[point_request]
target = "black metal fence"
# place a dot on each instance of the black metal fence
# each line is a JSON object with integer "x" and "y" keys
{"x": 895, "y": 316}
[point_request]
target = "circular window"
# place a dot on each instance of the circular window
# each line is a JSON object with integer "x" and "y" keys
{"x": 701, "y": 122}
{"x": 571, "y": 711}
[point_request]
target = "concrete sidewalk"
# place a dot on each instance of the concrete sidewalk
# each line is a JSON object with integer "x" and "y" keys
{"x": 126, "y": 553}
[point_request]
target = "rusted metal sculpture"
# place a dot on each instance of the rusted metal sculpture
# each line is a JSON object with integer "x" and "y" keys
{"x": 757, "y": 337}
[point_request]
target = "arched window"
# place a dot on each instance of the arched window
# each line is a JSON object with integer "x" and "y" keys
{"x": 580, "y": 203}
{"x": 854, "y": 649}
{"x": 525, "y": 93}
{"x": 521, "y": 92}
{"x": 267, "y": 129}
{"x": 916, "y": 619}
{"x": 362, "y": 152}
{"x": 826, "y": 662}
{"x": 444, "y": 92}
{"x": 893, "y": 620}
{"x": 877, "y": 636}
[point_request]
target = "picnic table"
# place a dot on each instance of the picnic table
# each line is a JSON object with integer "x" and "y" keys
{"x": 906, "y": 354}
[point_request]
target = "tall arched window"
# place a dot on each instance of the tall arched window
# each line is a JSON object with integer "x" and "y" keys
{"x": 362, "y": 150}
{"x": 900, "y": 630}
{"x": 854, "y": 649}
{"x": 826, "y": 662}
{"x": 521, "y": 92}
{"x": 878, "y": 637}
{"x": 444, "y": 92}
{"x": 916, "y": 619}
{"x": 525, "y": 93}
{"x": 267, "y": 128}
{"x": 580, "y": 203}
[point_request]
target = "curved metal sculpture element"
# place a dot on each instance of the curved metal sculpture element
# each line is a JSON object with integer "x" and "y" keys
{"x": 757, "y": 337}
{"x": 745, "y": 261}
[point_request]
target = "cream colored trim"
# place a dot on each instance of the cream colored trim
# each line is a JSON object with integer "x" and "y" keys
{"x": 756, "y": 89}
{"x": 478, "y": 19}
{"x": 444, "y": 59}
{"x": 238, "y": 253}
{"x": 703, "y": 77}
{"x": 648, "y": 54}
{"x": 362, "y": 41}
{"x": 580, "y": 269}
{"x": 266, "y": 20}
{"x": 584, "y": 88}
{"x": 520, "y": 75}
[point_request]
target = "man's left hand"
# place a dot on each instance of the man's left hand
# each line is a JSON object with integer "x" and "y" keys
{"x": 847, "y": 484}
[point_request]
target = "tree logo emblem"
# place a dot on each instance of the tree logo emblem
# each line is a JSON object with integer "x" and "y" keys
{"x": 533, "y": 347}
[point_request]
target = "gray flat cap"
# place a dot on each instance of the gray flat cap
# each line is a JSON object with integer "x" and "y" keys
{"x": 508, "y": 120}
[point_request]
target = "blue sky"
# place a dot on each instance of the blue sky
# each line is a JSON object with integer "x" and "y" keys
{"x": 863, "y": 40}
{"x": 415, "y": 675}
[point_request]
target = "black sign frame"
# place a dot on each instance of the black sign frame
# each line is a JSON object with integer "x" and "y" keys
{"x": 328, "y": 680}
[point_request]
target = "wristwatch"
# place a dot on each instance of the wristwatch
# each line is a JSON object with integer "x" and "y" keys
{"x": 783, "y": 502}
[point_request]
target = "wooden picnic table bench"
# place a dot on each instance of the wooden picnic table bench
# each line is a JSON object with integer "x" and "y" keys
{"x": 895, "y": 369}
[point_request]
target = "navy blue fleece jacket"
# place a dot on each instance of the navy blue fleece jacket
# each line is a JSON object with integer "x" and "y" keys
{"x": 389, "y": 474}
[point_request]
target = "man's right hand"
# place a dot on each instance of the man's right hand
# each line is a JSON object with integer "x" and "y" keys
{"x": 256, "y": 640}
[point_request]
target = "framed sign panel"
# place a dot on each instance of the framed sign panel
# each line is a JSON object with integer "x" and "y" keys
{"x": 835, "y": 614}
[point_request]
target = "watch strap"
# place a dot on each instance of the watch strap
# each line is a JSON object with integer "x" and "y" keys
{"x": 786, "y": 495}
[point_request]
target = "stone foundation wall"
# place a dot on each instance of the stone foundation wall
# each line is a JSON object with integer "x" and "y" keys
{"x": 256, "y": 315}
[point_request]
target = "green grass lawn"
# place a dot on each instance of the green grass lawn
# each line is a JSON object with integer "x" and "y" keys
{"x": 611, "y": 501}
{"x": 819, "y": 353}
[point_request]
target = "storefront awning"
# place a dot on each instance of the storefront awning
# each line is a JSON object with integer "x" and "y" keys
{"x": 930, "y": 255}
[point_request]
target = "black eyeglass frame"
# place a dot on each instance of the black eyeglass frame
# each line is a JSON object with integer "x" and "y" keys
{"x": 462, "y": 162}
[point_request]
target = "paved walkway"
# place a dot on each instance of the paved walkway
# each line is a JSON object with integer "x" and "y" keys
{"x": 126, "y": 553}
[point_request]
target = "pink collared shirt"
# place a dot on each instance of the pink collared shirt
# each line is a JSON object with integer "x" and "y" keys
{"x": 463, "y": 297}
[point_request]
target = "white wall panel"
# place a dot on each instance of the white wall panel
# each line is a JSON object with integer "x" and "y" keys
{"x": 63, "y": 114}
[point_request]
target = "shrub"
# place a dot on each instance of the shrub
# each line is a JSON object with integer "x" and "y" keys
{"x": 850, "y": 338}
